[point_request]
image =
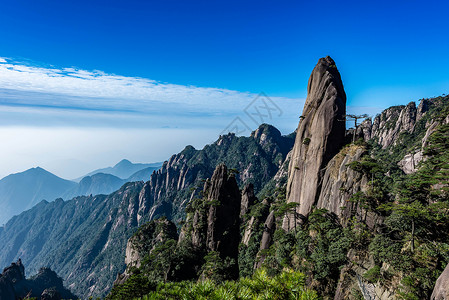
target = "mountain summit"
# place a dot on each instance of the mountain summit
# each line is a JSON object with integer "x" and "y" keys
{"x": 124, "y": 169}
{"x": 23, "y": 190}
{"x": 319, "y": 136}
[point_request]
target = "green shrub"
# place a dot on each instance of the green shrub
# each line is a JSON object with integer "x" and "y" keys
{"x": 373, "y": 274}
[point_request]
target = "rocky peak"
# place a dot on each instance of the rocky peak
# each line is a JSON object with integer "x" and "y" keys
{"x": 223, "y": 215}
{"x": 266, "y": 132}
{"x": 387, "y": 126}
{"x": 14, "y": 285}
{"x": 423, "y": 107}
{"x": 15, "y": 272}
{"x": 319, "y": 136}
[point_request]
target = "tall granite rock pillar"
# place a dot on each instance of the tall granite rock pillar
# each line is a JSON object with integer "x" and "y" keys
{"x": 319, "y": 136}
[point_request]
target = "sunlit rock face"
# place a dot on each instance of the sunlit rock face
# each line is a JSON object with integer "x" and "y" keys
{"x": 319, "y": 136}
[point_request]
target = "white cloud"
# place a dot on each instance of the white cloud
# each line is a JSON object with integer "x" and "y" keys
{"x": 97, "y": 84}
{"x": 2, "y": 60}
{"x": 72, "y": 88}
{"x": 72, "y": 121}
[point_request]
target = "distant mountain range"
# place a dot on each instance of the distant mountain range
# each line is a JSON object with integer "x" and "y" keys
{"x": 86, "y": 237}
{"x": 124, "y": 170}
{"x": 21, "y": 191}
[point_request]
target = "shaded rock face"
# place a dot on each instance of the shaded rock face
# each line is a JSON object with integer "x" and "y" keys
{"x": 45, "y": 285}
{"x": 6, "y": 289}
{"x": 213, "y": 222}
{"x": 143, "y": 243}
{"x": 50, "y": 294}
{"x": 340, "y": 182}
{"x": 146, "y": 238}
{"x": 319, "y": 136}
{"x": 248, "y": 199}
{"x": 441, "y": 289}
{"x": 267, "y": 238}
{"x": 15, "y": 272}
{"x": 223, "y": 232}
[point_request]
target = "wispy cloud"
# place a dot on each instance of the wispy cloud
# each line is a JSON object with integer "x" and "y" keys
{"x": 40, "y": 88}
{"x": 54, "y": 117}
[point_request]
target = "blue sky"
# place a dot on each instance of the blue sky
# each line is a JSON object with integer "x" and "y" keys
{"x": 141, "y": 71}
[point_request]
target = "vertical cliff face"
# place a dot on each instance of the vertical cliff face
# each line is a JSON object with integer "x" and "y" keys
{"x": 147, "y": 238}
{"x": 340, "y": 182}
{"x": 267, "y": 238}
{"x": 223, "y": 232}
{"x": 248, "y": 199}
{"x": 215, "y": 223}
{"x": 319, "y": 136}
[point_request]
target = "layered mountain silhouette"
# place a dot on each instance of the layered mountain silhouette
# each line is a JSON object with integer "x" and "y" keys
{"x": 339, "y": 205}
{"x": 21, "y": 191}
{"x": 83, "y": 237}
{"x": 125, "y": 169}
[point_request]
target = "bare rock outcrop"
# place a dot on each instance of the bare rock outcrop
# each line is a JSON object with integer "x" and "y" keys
{"x": 387, "y": 126}
{"x": 216, "y": 219}
{"x": 441, "y": 289}
{"x": 267, "y": 238}
{"x": 44, "y": 285}
{"x": 146, "y": 238}
{"x": 248, "y": 199}
{"x": 143, "y": 242}
{"x": 340, "y": 182}
{"x": 409, "y": 164}
{"x": 319, "y": 136}
{"x": 223, "y": 220}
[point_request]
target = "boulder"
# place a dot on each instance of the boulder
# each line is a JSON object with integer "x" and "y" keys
{"x": 441, "y": 289}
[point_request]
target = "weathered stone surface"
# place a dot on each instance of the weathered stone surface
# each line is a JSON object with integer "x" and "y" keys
{"x": 441, "y": 289}
{"x": 423, "y": 107}
{"x": 340, "y": 182}
{"x": 44, "y": 285}
{"x": 248, "y": 231}
{"x": 143, "y": 242}
{"x": 248, "y": 199}
{"x": 269, "y": 227}
{"x": 409, "y": 164}
{"x": 387, "y": 126}
{"x": 267, "y": 238}
{"x": 319, "y": 136}
{"x": 223, "y": 221}
{"x": 391, "y": 122}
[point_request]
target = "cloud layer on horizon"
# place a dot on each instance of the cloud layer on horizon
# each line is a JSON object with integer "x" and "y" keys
{"x": 70, "y": 95}
{"x": 54, "y": 116}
